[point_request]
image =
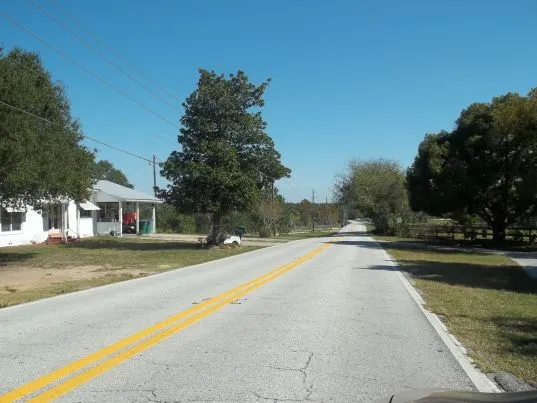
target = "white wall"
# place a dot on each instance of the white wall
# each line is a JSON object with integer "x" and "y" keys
{"x": 32, "y": 228}
{"x": 86, "y": 223}
{"x": 31, "y": 231}
{"x": 86, "y": 227}
{"x": 104, "y": 228}
{"x": 71, "y": 224}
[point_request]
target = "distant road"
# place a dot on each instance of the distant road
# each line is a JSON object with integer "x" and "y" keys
{"x": 332, "y": 322}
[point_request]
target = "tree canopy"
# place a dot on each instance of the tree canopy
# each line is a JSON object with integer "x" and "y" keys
{"x": 486, "y": 166}
{"x": 226, "y": 157}
{"x": 105, "y": 170}
{"x": 38, "y": 161}
{"x": 377, "y": 189}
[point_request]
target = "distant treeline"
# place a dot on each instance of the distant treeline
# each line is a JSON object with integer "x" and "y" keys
{"x": 296, "y": 216}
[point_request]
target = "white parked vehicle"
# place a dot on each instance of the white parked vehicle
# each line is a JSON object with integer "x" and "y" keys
{"x": 233, "y": 240}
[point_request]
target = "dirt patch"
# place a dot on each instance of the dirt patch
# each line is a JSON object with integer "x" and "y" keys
{"x": 27, "y": 278}
{"x": 31, "y": 272}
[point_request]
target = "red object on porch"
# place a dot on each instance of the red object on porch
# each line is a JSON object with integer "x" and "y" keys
{"x": 129, "y": 218}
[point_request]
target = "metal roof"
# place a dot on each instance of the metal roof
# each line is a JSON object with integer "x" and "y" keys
{"x": 106, "y": 191}
{"x": 88, "y": 206}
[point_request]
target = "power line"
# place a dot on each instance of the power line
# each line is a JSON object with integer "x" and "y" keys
{"x": 82, "y": 135}
{"x": 107, "y": 110}
{"x": 88, "y": 46}
{"x": 118, "y": 55}
{"x": 164, "y": 139}
{"x": 167, "y": 140}
{"x": 80, "y": 66}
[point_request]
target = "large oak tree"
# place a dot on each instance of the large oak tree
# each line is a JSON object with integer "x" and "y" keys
{"x": 226, "y": 157}
{"x": 38, "y": 160}
{"x": 487, "y": 166}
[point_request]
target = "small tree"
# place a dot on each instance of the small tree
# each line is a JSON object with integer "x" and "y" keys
{"x": 226, "y": 157}
{"x": 377, "y": 189}
{"x": 105, "y": 170}
{"x": 270, "y": 210}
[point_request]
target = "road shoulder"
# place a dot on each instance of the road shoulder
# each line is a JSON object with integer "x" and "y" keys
{"x": 479, "y": 379}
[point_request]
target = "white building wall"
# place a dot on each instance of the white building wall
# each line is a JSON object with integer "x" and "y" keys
{"x": 31, "y": 231}
{"x": 32, "y": 228}
{"x": 104, "y": 228}
{"x": 86, "y": 227}
{"x": 71, "y": 224}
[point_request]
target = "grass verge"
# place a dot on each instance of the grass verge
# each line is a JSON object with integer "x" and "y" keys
{"x": 487, "y": 301}
{"x": 32, "y": 272}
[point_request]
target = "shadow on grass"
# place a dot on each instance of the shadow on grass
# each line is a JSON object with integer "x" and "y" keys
{"x": 494, "y": 277}
{"x": 521, "y": 332}
{"x": 476, "y": 275}
{"x": 14, "y": 257}
{"x": 415, "y": 246}
{"x": 112, "y": 244}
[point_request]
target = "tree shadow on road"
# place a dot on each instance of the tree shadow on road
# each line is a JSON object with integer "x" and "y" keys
{"x": 344, "y": 234}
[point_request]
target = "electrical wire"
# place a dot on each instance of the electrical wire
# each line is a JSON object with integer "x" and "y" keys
{"x": 46, "y": 76}
{"x": 118, "y": 54}
{"x": 92, "y": 49}
{"x": 82, "y": 135}
{"x": 83, "y": 68}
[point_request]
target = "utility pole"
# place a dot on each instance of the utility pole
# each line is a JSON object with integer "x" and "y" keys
{"x": 326, "y": 205}
{"x": 154, "y": 175}
{"x": 313, "y": 210}
{"x": 273, "y": 207}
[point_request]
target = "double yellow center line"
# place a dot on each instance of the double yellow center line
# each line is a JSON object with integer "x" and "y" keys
{"x": 93, "y": 365}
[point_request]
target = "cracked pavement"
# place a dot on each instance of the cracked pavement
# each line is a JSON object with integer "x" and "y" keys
{"x": 338, "y": 328}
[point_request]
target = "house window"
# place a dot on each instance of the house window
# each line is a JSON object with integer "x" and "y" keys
{"x": 10, "y": 221}
{"x": 109, "y": 212}
{"x": 85, "y": 213}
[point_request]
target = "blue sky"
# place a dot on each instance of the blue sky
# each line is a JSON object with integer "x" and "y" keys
{"x": 350, "y": 79}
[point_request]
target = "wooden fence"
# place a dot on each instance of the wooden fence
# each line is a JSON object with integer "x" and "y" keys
{"x": 470, "y": 233}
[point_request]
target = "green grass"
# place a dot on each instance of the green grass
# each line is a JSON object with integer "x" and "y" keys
{"x": 487, "y": 301}
{"x": 305, "y": 235}
{"x": 131, "y": 257}
{"x": 114, "y": 254}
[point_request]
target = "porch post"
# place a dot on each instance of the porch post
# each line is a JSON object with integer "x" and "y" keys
{"x": 120, "y": 219}
{"x": 137, "y": 218}
{"x": 77, "y": 207}
{"x": 154, "y": 226}
{"x": 64, "y": 235}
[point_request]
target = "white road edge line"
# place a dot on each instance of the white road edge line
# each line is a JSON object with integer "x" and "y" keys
{"x": 479, "y": 379}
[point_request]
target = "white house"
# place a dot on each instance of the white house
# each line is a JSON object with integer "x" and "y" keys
{"x": 65, "y": 219}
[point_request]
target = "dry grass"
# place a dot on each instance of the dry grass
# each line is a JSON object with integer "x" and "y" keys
{"x": 46, "y": 270}
{"x": 487, "y": 301}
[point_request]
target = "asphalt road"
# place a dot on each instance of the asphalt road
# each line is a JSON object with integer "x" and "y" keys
{"x": 334, "y": 323}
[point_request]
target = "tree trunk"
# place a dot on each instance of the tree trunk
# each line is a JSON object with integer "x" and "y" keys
{"x": 498, "y": 232}
{"x": 214, "y": 236}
